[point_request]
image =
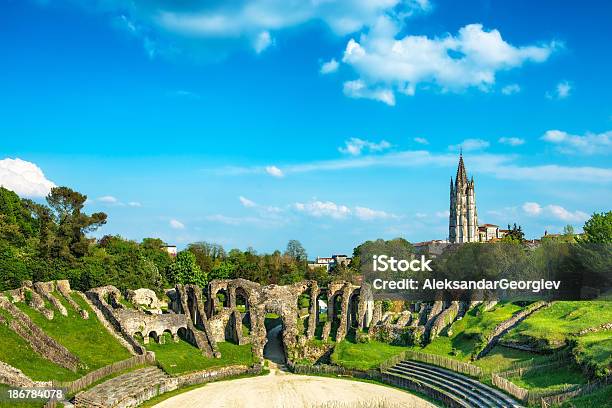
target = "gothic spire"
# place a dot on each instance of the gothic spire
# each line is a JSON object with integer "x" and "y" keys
{"x": 461, "y": 173}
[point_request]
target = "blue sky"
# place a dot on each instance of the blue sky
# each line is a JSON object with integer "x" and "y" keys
{"x": 252, "y": 123}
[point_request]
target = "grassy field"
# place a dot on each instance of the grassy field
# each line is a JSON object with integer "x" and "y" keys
{"x": 550, "y": 327}
{"x": 467, "y": 332}
{"x": 18, "y": 353}
{"x": 595, "y": 350}
{"x": 182, "y": 357}
{"x": 501, "y": 358}
{"x": 363, "y": 356}
{"x": 550, "y": 380}
{"x": 87, "y": 339}
{"x": 597, "y": 399}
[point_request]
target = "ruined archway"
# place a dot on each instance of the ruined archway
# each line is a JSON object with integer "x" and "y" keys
{"x": 274, "y": 346}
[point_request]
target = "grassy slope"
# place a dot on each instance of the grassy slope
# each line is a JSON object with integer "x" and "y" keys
{"x": 87, "y": 339}
{"x": 466, "y": 332}
{"x": 182, "y": 357}
{"x": 599, "y": 399}
{"x": 501, "y": 358}
{"x": 16, "y": 352}
{"x": 363, "y": 356}
{"x": 553, "y": 324}
{"x": 548, "y": 380}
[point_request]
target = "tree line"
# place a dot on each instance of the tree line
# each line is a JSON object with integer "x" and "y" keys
{"x": 42, "y": 242}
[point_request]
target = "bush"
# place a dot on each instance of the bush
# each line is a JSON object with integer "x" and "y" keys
{"x": 362, "y": 337}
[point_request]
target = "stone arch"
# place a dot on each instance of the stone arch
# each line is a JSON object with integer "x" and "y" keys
{"x": 241, "y": 299}
{"x": 352, "y": 315}
{"x": 154, "y": 335}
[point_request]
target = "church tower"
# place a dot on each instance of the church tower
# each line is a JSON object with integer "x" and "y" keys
{"x": 463, "y": 220}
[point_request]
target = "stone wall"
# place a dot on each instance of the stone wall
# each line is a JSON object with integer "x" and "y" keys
{"x": 63, "y": 287}
{"x": 45, "y": 290}
{"x": 40, "y": 342}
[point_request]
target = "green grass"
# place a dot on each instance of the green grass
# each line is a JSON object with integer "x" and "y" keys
{"x": 600, "y": 398}
{"x": 550, "y": 379}
{"x": 17, "y": 352}
{"x": 468, "y": 332}
{"x": 595, "y": 350}
{"x": 182, "y": 357}
{"x": 501, "y": 358}
{"x": 87, "y": 339}
{"x": 550, "y": 326}
{"x": 363, "y": 356}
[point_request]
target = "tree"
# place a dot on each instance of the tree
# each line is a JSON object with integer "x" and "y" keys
{"x": 72, "y": 224}
{"x": 515, "y": 234}
{"x": 598, "y": 229}
{"x": 296, "y": 251}
{"x": 185, "y": 270}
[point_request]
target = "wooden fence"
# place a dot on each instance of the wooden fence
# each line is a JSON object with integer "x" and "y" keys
{"x": 326, "y": 369}
{"x": 552, "y": 400}
{"x": 501, "y": 381}
{"x": 90, "y": 378}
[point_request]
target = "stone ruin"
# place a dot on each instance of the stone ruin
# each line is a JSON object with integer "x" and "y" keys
{"x": 204, "y": 318}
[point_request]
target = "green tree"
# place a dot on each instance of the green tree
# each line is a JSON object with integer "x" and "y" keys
{"x": 296, "y": 251}
{"x": 72, "y": 223}
{"x": 185, "y": 270}
{"x": 598, "y": 229}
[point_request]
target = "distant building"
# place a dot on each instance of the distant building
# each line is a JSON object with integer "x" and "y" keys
{"x": 463, "y": 220}
{"x": 329, "y": 262}
{"x": 170, "y": 249}
{"x": 490, "y": 232}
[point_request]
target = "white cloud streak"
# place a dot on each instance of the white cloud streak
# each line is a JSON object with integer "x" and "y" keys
{"x": 590, "y": 143}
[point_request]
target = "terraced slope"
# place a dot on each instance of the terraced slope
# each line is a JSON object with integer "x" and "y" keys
{"x": 456, "y": 389}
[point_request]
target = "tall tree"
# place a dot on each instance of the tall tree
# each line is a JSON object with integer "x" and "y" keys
{"x": 72, "y": 223}
{"x": 296, "y": 251}
{"x": 185, "y": 270}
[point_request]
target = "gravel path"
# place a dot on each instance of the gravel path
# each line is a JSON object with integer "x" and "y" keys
{"x": 281, "y": 389}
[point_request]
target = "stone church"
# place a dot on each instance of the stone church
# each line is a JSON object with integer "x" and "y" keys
{"x": 463, "y": 220}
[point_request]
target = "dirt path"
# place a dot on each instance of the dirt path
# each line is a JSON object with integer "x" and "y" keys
{"x": 281, "y": 389}
{"x": 273, "y": 350}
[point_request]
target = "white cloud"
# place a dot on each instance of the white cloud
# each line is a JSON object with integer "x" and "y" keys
{"x": 176, "y": 224}
{"x": 562, "y": 91}
{"x": 338, "y": 211}
{"x": 511, "y": 89}
{"x": 134, "y": 204}
{"x": 329, "y": 66}
{"x": 24, "y": 178}
{"x": 470, "y": 145}
{"x": 246, "y": 202}
{"x": 215, "y": 27}
{"x": 358, "y": 89}
{"x": 443, "y": 214}
{"x": 500, "y": 166}
{"x": 532, "y": 208}
{"x": 368, "y": 214}
{"x": 108, "y": 199}
{"x": 274, "y": 171}
{"x": 355, "y": 146}
{"x": 263, "y": 41}
{"x": 554, "y": 211}
{"x": 590, "y": 143}
{"x": 421, "y": 140}
{"x": 471, "y": 58}
{"x": 511, "y": 141}
{"x": 324, "y": 208}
